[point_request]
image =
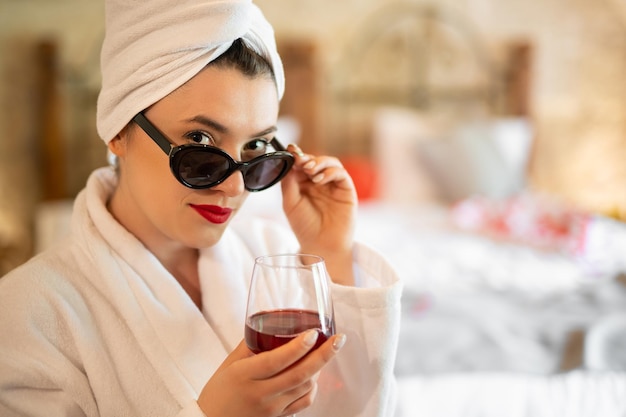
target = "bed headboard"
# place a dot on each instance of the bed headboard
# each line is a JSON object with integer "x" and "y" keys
{"x": 412, "y": 72}
{"x": 421, "y": 57}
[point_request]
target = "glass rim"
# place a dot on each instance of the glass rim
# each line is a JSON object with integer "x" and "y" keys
{"x": 269, "y": 260}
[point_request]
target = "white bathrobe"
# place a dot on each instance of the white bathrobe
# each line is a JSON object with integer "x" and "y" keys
{"x": 98, "y": 327}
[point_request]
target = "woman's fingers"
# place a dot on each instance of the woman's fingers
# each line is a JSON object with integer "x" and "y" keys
{"x": 296, "y": 385}
{"x": 275, "y": 361}
{"x": 303, "y": 400}
{"x": 278, "y": 382}
{"x": 288, "y": 373}
{"x": 321, "y": 169}
{"x": 295, "y": 149}
{"x": 325, "y": 170}
{"x": 240, "y": 352}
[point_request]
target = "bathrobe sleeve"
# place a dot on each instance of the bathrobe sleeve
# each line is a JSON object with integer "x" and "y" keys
{"x": 361, "y": 382}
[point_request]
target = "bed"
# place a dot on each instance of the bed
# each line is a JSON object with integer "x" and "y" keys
{"x": 495, "y": 328}
{"x": 514, "y": 302}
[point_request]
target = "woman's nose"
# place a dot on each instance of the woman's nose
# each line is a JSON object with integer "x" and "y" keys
{"x": 233, "y": 185}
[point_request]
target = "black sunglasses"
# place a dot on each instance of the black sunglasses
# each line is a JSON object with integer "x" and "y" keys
{"x": 201, "y": 166}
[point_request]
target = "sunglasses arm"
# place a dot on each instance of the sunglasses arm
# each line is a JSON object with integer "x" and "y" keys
{"x": 154, "y": 133}
{"x": 277, "y": 145}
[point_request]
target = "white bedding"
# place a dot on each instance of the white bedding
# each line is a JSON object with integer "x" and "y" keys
{"x": 574, "y": 394}
{"x": 485, "y": 323}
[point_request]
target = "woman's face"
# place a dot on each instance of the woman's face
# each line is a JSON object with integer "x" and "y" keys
{"x": 219, "y": 107}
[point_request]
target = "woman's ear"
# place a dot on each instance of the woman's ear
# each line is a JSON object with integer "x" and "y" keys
{"x": 117, "y": 145}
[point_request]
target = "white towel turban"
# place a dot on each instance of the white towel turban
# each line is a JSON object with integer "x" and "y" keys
{"x": 152, "y": 47}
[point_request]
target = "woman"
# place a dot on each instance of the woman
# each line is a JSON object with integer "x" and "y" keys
{"x": 140, "y": 311}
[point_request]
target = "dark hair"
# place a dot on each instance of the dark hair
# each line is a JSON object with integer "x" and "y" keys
{"x": 243, "y": 58}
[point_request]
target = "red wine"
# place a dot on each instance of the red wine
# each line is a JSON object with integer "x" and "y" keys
{"x": 270, "y": 329}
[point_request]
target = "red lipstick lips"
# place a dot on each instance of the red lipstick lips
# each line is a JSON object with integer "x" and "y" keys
{"x": 214, "y": 214}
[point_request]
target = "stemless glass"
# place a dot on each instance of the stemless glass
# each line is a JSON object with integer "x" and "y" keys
{"x": 288, "y": 295}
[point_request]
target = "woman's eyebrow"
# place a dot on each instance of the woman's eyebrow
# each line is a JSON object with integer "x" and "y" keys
{"x": 209, "y": 123}
{"x": 266, "y": 131}
{"x": 223, "y": 129}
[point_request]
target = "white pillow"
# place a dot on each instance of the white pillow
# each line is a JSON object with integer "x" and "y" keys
{"x": 424, "y": 157}
{"x": 480, "y": 158}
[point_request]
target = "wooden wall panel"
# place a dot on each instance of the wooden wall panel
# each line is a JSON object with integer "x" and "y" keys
{"x": 49, "y": 132}
{"x": 302, "y": 95}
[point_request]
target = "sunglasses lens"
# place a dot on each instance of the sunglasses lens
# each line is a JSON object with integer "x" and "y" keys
{"x": 205, "y": 167}
{"x": 265, "y": 173}
{"x": 199, "y": 168}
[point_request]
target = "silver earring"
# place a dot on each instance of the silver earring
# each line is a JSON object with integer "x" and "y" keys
{"x": 112, "y": 159}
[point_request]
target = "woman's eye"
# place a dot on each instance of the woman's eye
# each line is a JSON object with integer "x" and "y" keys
{"x": 201, "y": 138}
{"x": 257, "y": 145}
{"x": 255, "y": 148}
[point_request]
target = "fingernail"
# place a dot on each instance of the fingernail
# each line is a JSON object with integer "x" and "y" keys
{"x": 309, "y": 165}
{"x": 318, "y": 178}
{"x": 297, "y": 150}
{"x": 310, "y": 338}
{"x": 339, "y": 341}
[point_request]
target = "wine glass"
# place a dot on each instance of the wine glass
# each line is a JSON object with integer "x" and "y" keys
{"x": 288, "y": 295}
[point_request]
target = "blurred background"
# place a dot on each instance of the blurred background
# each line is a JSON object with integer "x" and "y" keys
{"x": 427, "y": 101}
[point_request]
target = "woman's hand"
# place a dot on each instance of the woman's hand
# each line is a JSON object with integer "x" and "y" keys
{"x": 320, "y": 201}
{"x": 276, "y": 383}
